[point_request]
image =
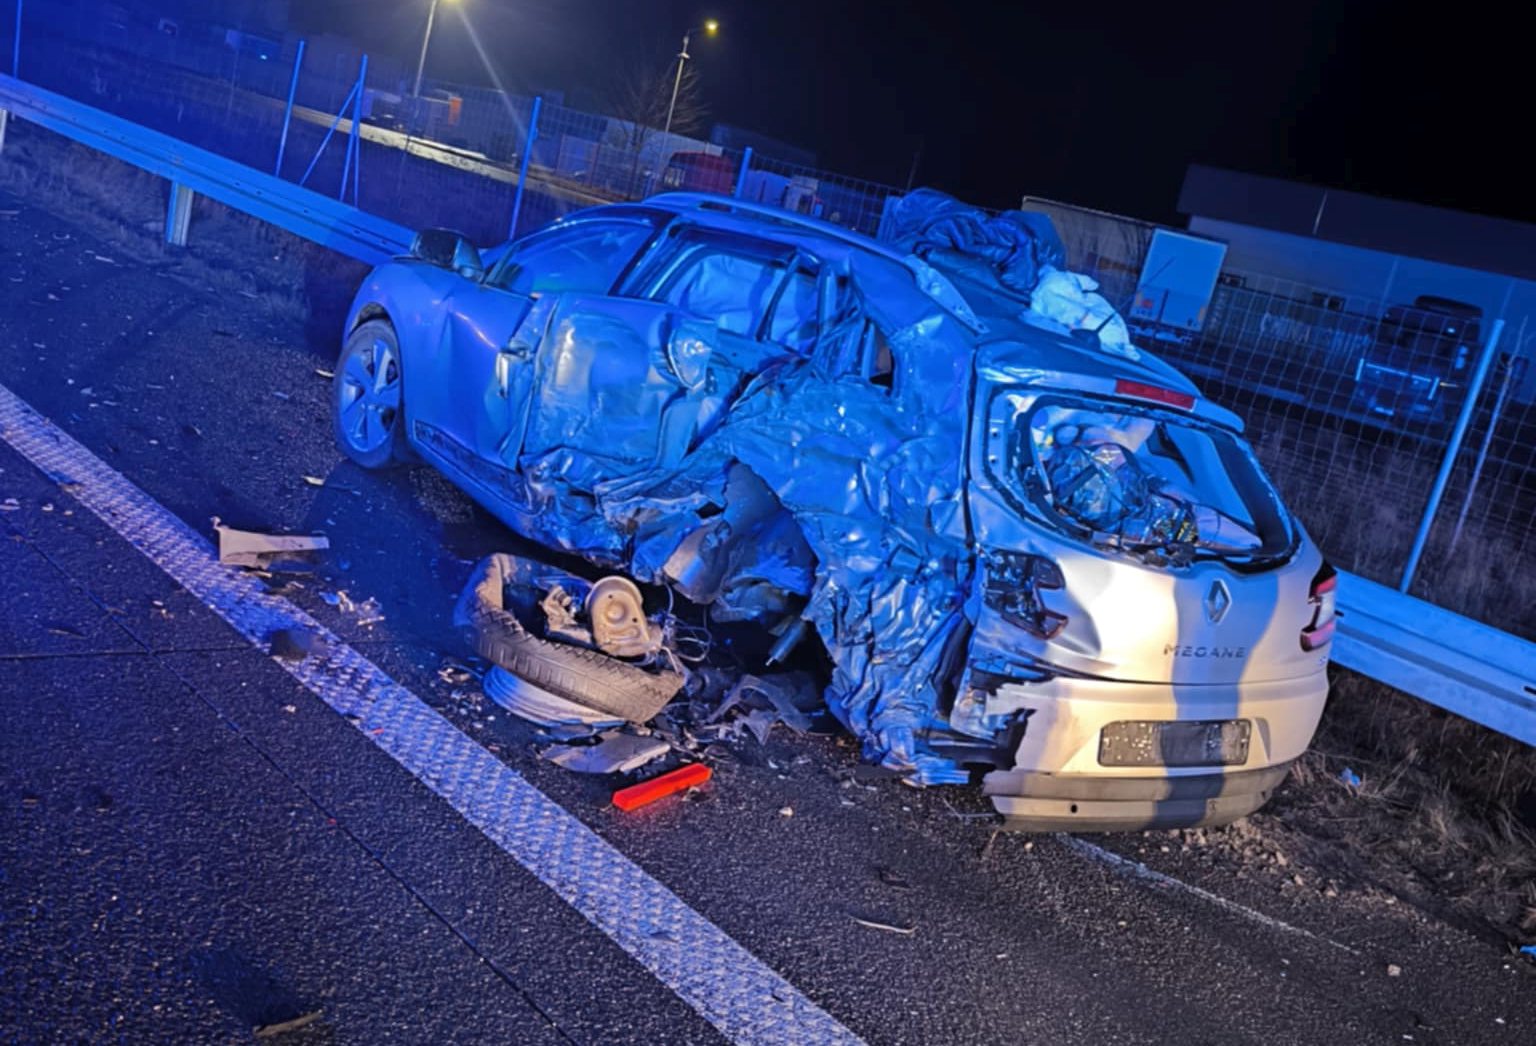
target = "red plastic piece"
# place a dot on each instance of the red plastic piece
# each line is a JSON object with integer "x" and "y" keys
{"x": 1152, "y": 392}
{"x": 636, "y": 796}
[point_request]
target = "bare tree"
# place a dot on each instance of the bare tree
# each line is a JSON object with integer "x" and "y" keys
{"x": 639, "y": 100}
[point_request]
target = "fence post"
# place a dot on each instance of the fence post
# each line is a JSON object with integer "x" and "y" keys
{"x": 293, "y": 88}
{"x": 4, "y": 118}
{"x": 1463, "y": 420}
{"x": 178, "y": 215}
{"x": 741, "y": 175}
{"x": 357, "y": 134}
{"x": 529, "y": 138}
{"x": 350, "y": 155}
{"x": 329, "y": 131}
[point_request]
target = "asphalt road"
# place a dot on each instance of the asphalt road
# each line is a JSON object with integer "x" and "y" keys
{"x": 192, "y": 844}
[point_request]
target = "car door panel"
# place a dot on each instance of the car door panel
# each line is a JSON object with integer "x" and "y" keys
{"x": 453, "y": 373}
{"x": 601, "y": 383}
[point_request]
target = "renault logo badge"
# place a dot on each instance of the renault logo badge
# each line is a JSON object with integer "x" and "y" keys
{"x": 1217, "y": 601}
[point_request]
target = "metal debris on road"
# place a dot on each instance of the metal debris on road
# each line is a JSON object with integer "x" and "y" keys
{"x": 369, "y": 612}
{"x": 905, "y": 931}
{"x": 616, "y": 752}
{"x": 249, "y": 548}
{"x": 267, "y": 1031}
{"x": 456, "y": 673}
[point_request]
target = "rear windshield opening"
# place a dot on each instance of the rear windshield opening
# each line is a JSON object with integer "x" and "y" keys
{"x": 1161, "y": 485}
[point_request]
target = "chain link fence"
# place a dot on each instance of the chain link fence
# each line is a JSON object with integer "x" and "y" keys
{"x": 452, "y": 155}
{"x": 1353, "y": 405}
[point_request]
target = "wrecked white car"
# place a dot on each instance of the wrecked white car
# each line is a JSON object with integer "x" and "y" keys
{"x": 1031, "y": 552}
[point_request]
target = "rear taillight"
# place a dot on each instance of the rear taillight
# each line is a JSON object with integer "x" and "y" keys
{"x": 1156, "y": 394}
{"x": 1322, "y": 597}
{"x": 1014, "y": 583}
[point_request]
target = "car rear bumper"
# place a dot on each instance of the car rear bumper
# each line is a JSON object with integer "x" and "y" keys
{"x": 1035, "y": 802}
{"x": 1058, "y": 783}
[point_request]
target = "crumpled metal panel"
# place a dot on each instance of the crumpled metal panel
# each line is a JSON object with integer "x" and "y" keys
{"x": 782, "y": 484}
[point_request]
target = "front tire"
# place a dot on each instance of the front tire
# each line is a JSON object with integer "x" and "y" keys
{"x": 368, "y": 397}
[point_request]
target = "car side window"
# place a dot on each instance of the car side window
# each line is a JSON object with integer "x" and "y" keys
{"x": 732, "y": 287}
{"x": 793, "y": 322}
{"x": 587, "y": 258}
{"x": 757, "y": 290}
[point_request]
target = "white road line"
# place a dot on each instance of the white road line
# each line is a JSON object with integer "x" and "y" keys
{"x": 743, "y": 998}
{"x": 1141, "y": 871}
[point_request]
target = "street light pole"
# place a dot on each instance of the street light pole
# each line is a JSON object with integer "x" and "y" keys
{"x": 709, "y": 27}
{"x": 426, "y": 38}
{"x": 677, "y": 81}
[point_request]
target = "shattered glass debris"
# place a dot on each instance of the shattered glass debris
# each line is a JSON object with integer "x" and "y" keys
{"x": 1147, "y": 480}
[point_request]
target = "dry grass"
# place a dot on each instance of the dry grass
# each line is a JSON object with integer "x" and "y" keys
{"x": 229, "y": 254}
{"x": 1445, "y": 813}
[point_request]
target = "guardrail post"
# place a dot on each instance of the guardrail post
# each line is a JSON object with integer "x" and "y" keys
{"x": 522, "y": 168}
{"x": 178, "y": 215}
{"x": 293, "y": 87}
{"x": 741, "y": 174}
{"x": 1463, "y": 420}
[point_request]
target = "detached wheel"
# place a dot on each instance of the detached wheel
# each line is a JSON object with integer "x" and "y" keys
{"x": 368, "y": 397}
{"x": 586, "y": 678}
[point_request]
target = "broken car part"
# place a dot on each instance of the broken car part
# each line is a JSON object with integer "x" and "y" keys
{"x": 669, "y": 783}
{"x": 553, "y": 682}
{"x": 248, "y": 548}
{"x": 615, "y": 753}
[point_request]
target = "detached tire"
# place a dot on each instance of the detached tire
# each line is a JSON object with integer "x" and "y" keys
{"x": 368, "y": 397}
{"x": 586, "y": 677}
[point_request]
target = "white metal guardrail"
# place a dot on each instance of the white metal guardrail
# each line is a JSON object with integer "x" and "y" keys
{"x": 1463, "y": 666}
{"x": 192, "y": 170}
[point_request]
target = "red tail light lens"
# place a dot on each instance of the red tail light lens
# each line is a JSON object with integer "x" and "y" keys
{"x": 1322, "y": 597}
{"x": 1014, "y": 583}
{"x": 1142, "y": 391}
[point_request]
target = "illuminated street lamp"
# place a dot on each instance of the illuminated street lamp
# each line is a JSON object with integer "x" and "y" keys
{"x": 421, "y": 63}
{"x": 710, "y": 27}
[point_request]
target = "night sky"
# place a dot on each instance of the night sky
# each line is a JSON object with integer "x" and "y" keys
{"x": 1097, "y": 104}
